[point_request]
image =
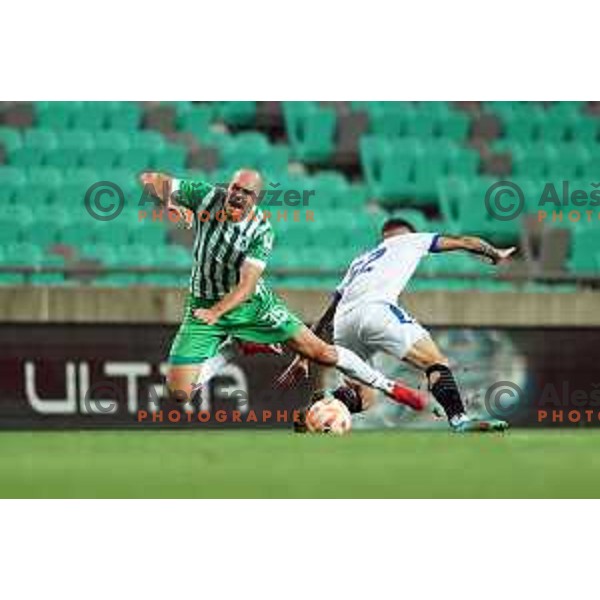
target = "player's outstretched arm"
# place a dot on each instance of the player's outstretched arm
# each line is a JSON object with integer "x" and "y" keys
{"x": 160, "y": 186}
{"x": 474, "y": 245}
{"x": 250, "y": 273}
{"x": 298, "y": 368}
{"x": 157, "y": 185}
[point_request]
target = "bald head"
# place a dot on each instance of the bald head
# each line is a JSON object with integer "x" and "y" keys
{"x": 248, "y": 179}
{"x": 242, "y": 192}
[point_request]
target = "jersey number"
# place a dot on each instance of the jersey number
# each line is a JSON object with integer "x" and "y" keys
{"x": 366, "y": 265}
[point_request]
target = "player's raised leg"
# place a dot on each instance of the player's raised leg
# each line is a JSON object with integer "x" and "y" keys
{"x": 308, "y": 345}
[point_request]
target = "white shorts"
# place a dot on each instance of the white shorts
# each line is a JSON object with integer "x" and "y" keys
{"x": 377, "y": 327}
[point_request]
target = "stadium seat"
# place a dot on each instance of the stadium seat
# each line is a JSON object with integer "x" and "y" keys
{"x": 311, "y": 133}
{"x": 56, "y": 115}
{"x": 10, "y": 139}
{"x": 12, "y": 180}
{"x": 237, "y": 112}
{"x": 171, "y": 158}
{"x": 197, "y": 121}
{"x": 49, "y": 260}
{"x": 36, "y": 143}
{"x": 90, "y": 116}
{"x": 585, "y": 251}
{"x": 124, "y": 116}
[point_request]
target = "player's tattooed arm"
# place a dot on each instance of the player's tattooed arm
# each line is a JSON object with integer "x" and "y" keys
{"x": 474, "y": 245}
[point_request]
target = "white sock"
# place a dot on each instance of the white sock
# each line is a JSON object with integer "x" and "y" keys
{"x": 356, "y": 368}
{"x": 213, "y": 365}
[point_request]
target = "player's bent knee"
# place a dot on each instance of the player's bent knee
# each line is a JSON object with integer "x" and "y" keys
{"x": 180, "y": 383}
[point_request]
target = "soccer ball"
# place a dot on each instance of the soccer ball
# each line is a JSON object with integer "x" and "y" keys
{"x": 328, "y": 415}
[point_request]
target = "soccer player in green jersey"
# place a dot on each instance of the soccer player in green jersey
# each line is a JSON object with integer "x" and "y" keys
{"x": 228, "y": 297}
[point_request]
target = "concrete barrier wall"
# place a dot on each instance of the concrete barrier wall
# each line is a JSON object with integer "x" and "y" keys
{"x": 160, "y": 305}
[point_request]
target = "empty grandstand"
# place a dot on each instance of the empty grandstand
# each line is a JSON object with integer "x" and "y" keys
{"x": 431, "y": 162}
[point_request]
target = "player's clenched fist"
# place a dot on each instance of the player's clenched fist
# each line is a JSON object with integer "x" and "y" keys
{"x": 157, "y": 185}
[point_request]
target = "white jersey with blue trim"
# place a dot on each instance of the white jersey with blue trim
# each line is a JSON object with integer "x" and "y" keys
{"x": 381, "y": 274}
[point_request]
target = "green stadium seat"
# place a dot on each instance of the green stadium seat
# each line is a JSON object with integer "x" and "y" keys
{"x": 22, "y": 254}
{"x": 429, "y": 169}
{"x": 44, "y": 234}
{"x": 521, "y": 128}
{"x": 111, "y": 232}
{"x": 421, "y": 125}
{"x": 553, "y": 129}
{"x": 416, "y": 218}
{"x": 453, "y": 125}
{"x": 182, "y": 107}
{"x": 248, "y": 149}
{"x": 438, "y": 111}
{"x": 390, "y": 121}
{"x": 98, "y": 252}
{"x": 566, "y": 110}
{"x": 49, "y": 260}
{"x": 71, "y": 145}
{"x": 56, "y": 115}
{"x": 464, "y": 163}
{"x": 124, "y": 116}
{"x": 275, "y": 160}
{"x": 10, "y": 139}
{"x": 171, "y": 158}
{"x": 90, "y": 116}
{"x": 197, "y": 121}
{"x": 151, "y": 141}
{"x": 533, "y": 161}
{"x": 311, "y": 134}
{"x": 12, "y": 179}
{"x": 149, "y": 233}
{"x": 42, "y": 182}
{"x": 585, "y": 250}
{"x": 139, "y": 159}
{"x": 570, "y": 161}
{"x": 77, "y": 234}
{"x": 585, "y": 130}
{"x": 238, "y": 113}
{"x": 10, "y": 230}
{"x": 36, "y": 143}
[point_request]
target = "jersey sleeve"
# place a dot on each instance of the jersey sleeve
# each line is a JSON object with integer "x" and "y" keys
{"x": 191, "y": 194}
{"x": 260, "y": 248}
{"x": 426, "y": 242}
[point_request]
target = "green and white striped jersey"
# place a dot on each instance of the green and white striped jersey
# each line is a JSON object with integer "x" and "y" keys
{"x": 221, "y": 245}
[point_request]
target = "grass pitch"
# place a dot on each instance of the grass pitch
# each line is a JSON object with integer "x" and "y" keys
{"x": 277, "y": 464}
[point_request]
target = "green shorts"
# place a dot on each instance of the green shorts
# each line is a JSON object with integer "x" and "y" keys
{"x": 263, "y": 318}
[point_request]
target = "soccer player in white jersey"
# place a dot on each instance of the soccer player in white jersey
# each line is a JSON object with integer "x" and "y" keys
{"x": 367, "y": 318}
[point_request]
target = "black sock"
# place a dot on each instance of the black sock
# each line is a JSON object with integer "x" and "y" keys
{"x": 345, "y": 394}
{"x": 445, "y": 390}
{"x": 349, "y": 397}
